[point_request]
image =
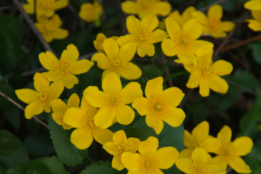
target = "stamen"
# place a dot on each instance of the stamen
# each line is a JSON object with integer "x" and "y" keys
{"x": 63, "y": 67}
{"x": 122, "y": 148}
{"x": 143, "y": 36}
{"x": 44, "y": 96}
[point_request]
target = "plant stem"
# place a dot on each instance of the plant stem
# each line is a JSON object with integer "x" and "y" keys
{"x": 243, "y": 88}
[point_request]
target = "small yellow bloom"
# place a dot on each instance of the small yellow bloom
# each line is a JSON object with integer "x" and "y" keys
{"x": 119, "y": 145}
{"x": 142, "y": 33}
{"x": 150, "y": 159}
{"x": 182, "y": 19}
{"x": 98, "y": 43}
{"x": 199, "y": 138}
{"x": 253, "y": 5}
{"x": 44, "y": 7}
{"x": 83, "y": 120}
{"x": 201, "y": 163}
{"x": 59, "y": 109}
{"x": 206, "y": 75}
{"x": 255, "y": 24}
{"x": 229, "y": 152}
{"x": 113, "y": 101}
{"x": 65, "y": 68}
{"x": 91, "y": 12}
{"x": 160, "y": 105}
{"x": 212, "y": 23}
{"x": 50, "y": 28}
{"x": 146, "y": 7}
{"x": 40, "y": 99}
{"x": 117, "y": 60}
{"x": 183, "y": 42}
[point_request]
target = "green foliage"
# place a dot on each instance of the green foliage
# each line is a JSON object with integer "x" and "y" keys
{"x": 254, "y": 159}
{"x": 101, "y": 167}
{"x": 256, "y": 51}
{"x": 9, "y": 91}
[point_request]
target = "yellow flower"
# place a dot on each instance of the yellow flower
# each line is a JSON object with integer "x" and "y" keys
{"x": 201, "y": 163}
{"x": 40, "y": 99}
{"x": 146, "y": 7}
{"x": 253, "y": 5}
{"x": 142, "y": 33}
{"x": 213, "y": 24}
{"x": 183, "y": 41}
{"x": 117, "y": 60}
{"x": 182, "y": 19}
{"x": 98, "y": 43}
{"x": 199, "y": 138}
{"x": 59, "y": 109}
{"x": 50, "y": 28}
{"x": 229, "y": 152}
{"x": 44, "y": 7}
{"x": 119, "y": 145}
{"x": 255, "y": 24}
{"x": 113, "y": 101}
{"x": 160, "y": 105}
{"x": 150, "y": 159}
{"x": 64, "y": 68}
{"x": 206, "y": 75}
{"x": 83, "y": 120}
{"x": 91, "y": 12}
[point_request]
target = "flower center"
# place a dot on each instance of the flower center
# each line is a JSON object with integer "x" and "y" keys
{"x": 195, "y": 144}
{"x": 206, "y": 70}
{"x": 63, "y": 67}
{"x": 45, "y": 4}
{"x": 149, "y": 163}
{"x": 122, "y": 148}
{"x": 100, "y": 47}
{"x": 157, "y": 105}
{"x": 213, "y": 24}
{"x": 89, "y": 123}
{"x": 143, "y": 36}
{"x": 44, "y": 96}
{"x": 48, "y": 28}
{"x": 115, "y": 98}
{"x": 115, "y": 63}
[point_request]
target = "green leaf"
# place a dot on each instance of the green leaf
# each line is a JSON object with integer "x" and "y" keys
{"x": 256, "y": 51}
{"x": 253, "y": 159}
{"x": 13, "y": 116}
{"x": 11, "y": 150}
{"x": 9, "y": 91}
{"x": 66, "y": 151}
{"x": 3, "y": 170}
{"x": 49, "y": 165}
{"x": 101, "y": 167}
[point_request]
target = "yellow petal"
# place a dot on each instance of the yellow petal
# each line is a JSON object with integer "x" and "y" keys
{"x": 239, "y": 165}
{"x": 130, "y": 7}
{"x": 185, "y": 165}
{"x": 202, "y": 47}
{"x": 216, "y": 169}
{"x": 131, "y": 91}
{"x": 34, "y": 108}
{"x": 243, "y": 145}
{"x": 127, "y": 51}
{"x": 186, "y": 153}
{"x": 57, "y": 105}
{"x": 162, "y": 8}
{"x": 149, "y": 146}
{"x": 155, "y": 122}
{"x": 60, "y": 4}
{"x": 187, "y": 138}
{"x": 69, "y": 80}
{"x": 111, "y": 82}
{"x": 119, "y": 138}
{"x": 211, "y": 144}
{"x": 58, "y": 118}
{"x": 215, "y": 11}
{"x": 200, "y": 16}
{"x": 222, "y": 67}
{"x": 103, "y": 136}
{"x": 73, "y": 101}
{"x": 146, "y": 48}
{"x": 60, "y": 33}
{"x": 29, "y": 8}
{"x": 133, "y": 25}
{"x": 197, "y": 28}
{"x": 149, "y": 23}
{"x": 200, "y": 132}
{"x": 111, "y": 148}
{"x": 157, "y": 36}
{"x": 254, "y": 25}
{"x": 253, "y": 5}
{"x": 166, "y": 157}
{"x": 227, "y": 26}
{"x": 141, "y": 105}
{"x": 130, "y": 71}
{"x": 131, "y": 161}
{"x": 218, "y": 84}
{"x": 177, "y": 17}
{"x": 108, "y": 71}
{"x": 126, "y": 39}
{"x": 40, "y": 82}
{"x": 102, "y": 61}
{"x": 52, "y": 75}
{"x": 174, "y": 117}
{"x": 154, "y": 87}
{"x": 199, "y": 155}
{"x": 173, "y": 96}
{"x": 48, "y": 60}
{"x": 82, "y": 138}
{"x": 26, "y": 95}
{"x": 111, "y": 48}
{"x": 95, "y": 97}
{"x": 116, "y": 163}
{"x": 56, "y": 89}
{"x": 220, "y": 161}
{"x": 194, "y": 79}
{"x": 124, "y": 114}
{"x": 172, "y": 27}
{"x": 187, "y": 57}
{"x": 87, "y": 108}
{"x": 219, "y": 34}
{"x": 133, "y": 143}
{"x": 225, "y": 135}
{"x": 81, "y": 66}
{"x": 104, "y": 117}
{"x": 71, "y": 53}
{"x": 186, "y": 15}
{"x": 256, "y": 14}
{"x": 168, "y": 47}
{"x": 204, "y": 87}
{"x": 74, "y": 117}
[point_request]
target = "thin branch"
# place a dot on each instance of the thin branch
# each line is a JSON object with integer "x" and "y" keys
{"x": 217, "y": 2}
{"x": 243, "y": 88}
{"x": 167, "y": 70}
{"x": 90, "y": 159}
{"x": 22, "y": 108}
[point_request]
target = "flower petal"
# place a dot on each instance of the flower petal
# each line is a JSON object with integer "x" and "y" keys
{"x": 124, "y": 114}
{"x": 187, "y": 57}
{"x": 131, "y": 91}
{"x": 87, "y": 108}
{"x": 186, "y": 153}
{"x": 199, "y": 155}
{"x": 29, "y": 8}
{"x": 201, "y": 131}
{"x": 166, "y": 157}
{"x": 220, "y": 161}
{"x": 227, "y": 26}
{"x": 103, "y": 136}
{"x": 253, "y": 5}
{"x": 224, "y": 135}
{"x": 111, "y": 48}
{"x": 254, "y": 25}
{"x": 218, "y": 84}
{"x": 197, "y": 28}
{"x": 173, "y": 96}
{"x": 130, "y": 71}
{"x": 108, "y": 71}
{"x": 94, "y": 96}
{"x": 239, "y": 165}
{"x": 162, "y": 8}
{"x": 215, "y": 11}
{"x": 146, "y": 49}
{"x": 74, "y": 117}
{"x": 133, "y": 143}
{"x": 155, "y": 122}
{"x": 111, "y": 82}
{"x": 149, "y": 146}
{"x": 119, "y": 138}
{"x": 243, "y": 145}
{"x": 154, "y": 87}
{"x": 71, "y": 53}
{"x": 81, "y": 66}
{"x": 174, "y": 117}
{"x": 111, "y": 148}
{"x": 168, "y": 47}
{"x": 34, "y": 108}
{"x": 126, "y": 39}
{"x": 58, "y": 118}
{"x": 216, "y": 169}
{"x": 56, "y": 89}
{"x": 116, "y": 162}
{"x": 133, "y": 25}
{"x": 60, "y": 33}
{"x": 202, "y": 47}
{"x": 222, "y": 67}
{"x": 185, "y": 165}
{"x": 172, "y": 27}
{"x": 73, "y": 101}
{"x": 204, "y": 87}
{"x": 52, "y": 75}
{"x": 26, "y": 95}
{"x": 157, "y": 36}
{"x": 131, "y": 161}
{"x": 141, "y": 105}
{"x": 60, "y": 4}
{"x": 102, "y": 61}
{"x": 149, "y": 23}
{"x": 128, "y": 51}
{"x": 69, "y": 80}
{"x": 40, "y": 82}
{"x": 104, "y": 117}
{"x": 48, "y": 60}
{"x": 200, "y": 16}
{"x": 130, "y": 7}
{"x": 82, "y": 138}
{"x": 57, "y": 105}
{"x": 211, "y": 144}
{"x": 194, "y": 79}
{"x": 187, "y": 139}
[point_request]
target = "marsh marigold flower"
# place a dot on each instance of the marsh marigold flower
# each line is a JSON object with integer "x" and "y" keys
{"x": 39, "y": 100}
{"x": 117, "y": 60}
{"x": 44, "y": 7}
{"x": 150, "y": 159}
{"x": 253, "y": 5}
{"x": 83, "y": 120}
{"x": 206, "y": 75}
{"x": 184, "y": 17}
{"x": 230, "y": 153}
{"x": 183, "y": 41}
{"x": 119, "y": 145}
{"x": 59, "y": 109}
{"x": 113, "y": 101}
{"x": 50, "y": 28}
{"x": 98, "y": 43}
{"x": 160, "y": 105}
{"x": 201, "y": 163}
{"x": 146, "y": 7}
{"x": 255, "y": 24}
{"x": 199, "y": 138}
{"x": 142, "y": 33}
{"x": 212, "y": 23}
{"x": 65, "y": 68}
{"x": 91, "y": 12}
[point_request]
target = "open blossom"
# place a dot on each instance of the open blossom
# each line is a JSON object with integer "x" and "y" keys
{"x": 230, "y": 153}
{"x": 199, "y": 138}
{"x": 91, "y": 12}
{"x": 212, "y": 23}
{"x": 184, "y": 17}
{"x": 160, "y": 105}
{"x": 142, "y": 33}
{"x": 255, "y": 24}
{"x": 39, "y": 100}
{"x": 117, "y": 60}
{"x": 65, "y": 68}
{"x": 59, "y": 109}
{"x": 50, "y": 28}
{"x": 146, "y": 7}
{"x": 86, "y": 130}
{"x": 150, "y": 159}
{"x": 113, "y": 101}
{"x": 98, "y": 42}
{"x": 119, "y": 145}
{"x": 44, "y": 7}
{"x": 253, "y": 5}
{"x": 183, "y": 41}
